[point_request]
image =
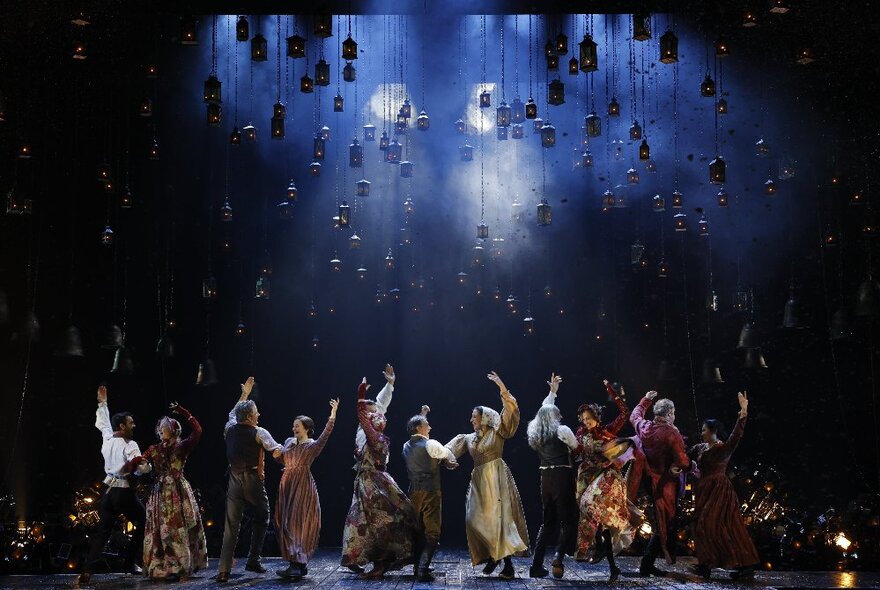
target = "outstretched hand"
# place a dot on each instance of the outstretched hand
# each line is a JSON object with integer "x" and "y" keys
{"x": 334, "y": 404}
{"x": 425, "y": 410}
{"x": 554, "y": 382}
{"x": 246, "y": 388}
{"x": 102, "y": 394}
{"x": 743, "y": 399}
{"x": 651, "y": 394}
{"x": 388, "y": 373}
{"x": 493, "y": 376}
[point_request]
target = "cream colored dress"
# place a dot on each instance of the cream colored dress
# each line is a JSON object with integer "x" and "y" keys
{"x": 494, "y": 519}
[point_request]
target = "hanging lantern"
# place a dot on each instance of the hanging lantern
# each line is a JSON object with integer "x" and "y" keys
{"x": 107, "y": 236}
{"x": 460, "y": 127}
{"x": 711, "y": 373}
{"x": 531, "y": 109}
{"x": 318, "y": 148}
{"x": 641, "y": 27}
{"x": 830, "y": 238}
{"x": 721, "y": 106}
{"x": 393, "y": 153}
{"x": 613, "y": 108}
{"x": 122, "y": 362}
{"x": 152, "y": 72}
{"x": 645, "y": 151}
{"x": 466, "y": 153}
{"x": 209, "y": 288}
{"x": 528, "y": 326}
{"x": 242, "y": 29}
{"x": 482, "y": 231}
{"x": 632, "y": 176}
{"x": 409, "y": 207}
{"x": 573, "y": 67}
{"x": 349, "y": 49}
{"x": 213, "y": 92}
{"x": 658, "y": 204}
{"x": 207, "y": 374}
{"x": 361, "y": 273}
{"x": 145, "y": 109}
{"x": 740, "y": 300}
{"x": 762, "y": 149}
{"x": 324, "y": 25}
{"x": 125, "y": 199}
{"x": 369, "y": 132}
{"x": 235, "y": 136}
{"x": 354, "y": 242}
{"x": 316, "y": 342}
{"x": 104, "y": 173}
{"x": 502, "y": 115}
{"x": 188, "y": 31}
{"x": 322, "y": 73}
{"x": 749, "y": 18}
{"x": 276, "y": 125}
{"x": 497, "y": 248}
{"x": 389, "y": 260}
{"x": 587, "y": 159}
{"x": 805, "y": 56}
{"x": 868, "y": 299}
{"x": 384, "y": 141}
{"x": 325, "y": 132}
{"x": 721, "y": 47}
{"x": 259, "y": 48}
{"x": 344, "y": 215}
{"x": 306, "y": 85}
{"x": 517, "y": 111}
{"x": 856, "y": 198}
{"x": 363, "y": 188}
{"x": 153, "y": 152}
{"x": 240, "y": 328}
{"x": 349, "y": 72}
{"x": 722, "y": 198}
{"x": 517, "y": 131}
{"x": 538, "y": 124}
{"x": 608, "y": 199}
{"x": 840, "y": 325}
{"x": 791, "y": 315}
{"x": 338, "y": 103}
{"x": 355, "y": 154}
{"x": 315, "y": 169}
{"x": 779, "y": 6}
{"x": 423, "y": 123}
{"x": 561, "y": 44}
{"x": 635, "y": 133}
{"x": 485, "y": 99}
{"x": 284, "y": 209}
{"x": 787, "y": 166}
{"x": 406, "y": 169}
{"x": 703, "y": 226}
{"x": 748, "y": 337}
{"x": 545, "y": 213}
{"x": 707, "y": 87}
{"x": 651, "y": 166}
{"x": 335, "y": 264}
{"x": 769, "y": 187}
{"x": 249, "y": 132}
{"x": 668, "y": 48}
{"x": 556, "y": 92}
{"x": 754, "y": 359}
{"x": 406, "y": 109}
{"x": 477, "y": 257}
{"x": 548, "y": 135}
{"x": 662, "y": 269}
{"x": 262, "y": 289}
{"x": 226, "y": 210}
{"x": 593, "y": 123}
{"x": 400, "y": 124}
{"x": 677, "y": 200}
{"x": 717, "y": 170}
{"x": 214, "y": 114}
{"x": 588, "y": 55}
{"x": 680, "y": 222}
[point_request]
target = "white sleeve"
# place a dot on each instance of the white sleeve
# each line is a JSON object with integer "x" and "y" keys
{"x": 266, "y": 440}
{"x": 565, "y": 434}
{"x": 383, "y": 400}
{"x": 102, "y": 421}
{"x": 132, "y": 450}
{"x": 231, "y": 421}
{"x": 436, "y": 450}
{"x": 550, "y": 400}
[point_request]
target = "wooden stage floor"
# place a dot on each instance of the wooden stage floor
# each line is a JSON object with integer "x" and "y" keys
{"x": 454, "y": 571}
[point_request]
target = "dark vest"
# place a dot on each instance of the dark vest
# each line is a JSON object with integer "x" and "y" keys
{"x": 553, "y": 452}
{"x": 242, "y": 448}
{"x": 422, "y": 469}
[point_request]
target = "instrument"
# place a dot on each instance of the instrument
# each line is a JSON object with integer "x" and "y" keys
{"x": 614, "y": 449}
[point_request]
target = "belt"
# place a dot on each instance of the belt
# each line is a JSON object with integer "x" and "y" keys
{"x": 554, "y": 466}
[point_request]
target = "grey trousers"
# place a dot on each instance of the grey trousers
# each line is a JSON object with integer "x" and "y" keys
{"x": 245, "y": 488}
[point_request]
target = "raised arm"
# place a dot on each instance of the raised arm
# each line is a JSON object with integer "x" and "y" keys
{"x": 458, "y": 445}
{"x": 739, "y": 428}
{"x": 623, "y": 412}
{"x": 373, "y": 435}
{"x": 196, "y": 435}
{"x": 318, "y": 445}
{"x": 554, "y": 382}
{"x": 383, "y": 400}
{"x": 246, "y": 389}
{"x": 102, "y": 415}
{"x": 637, "y": 418}
{"x": 510, "y": 411}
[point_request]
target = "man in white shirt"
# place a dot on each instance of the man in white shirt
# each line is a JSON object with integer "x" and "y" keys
{"x": 122, "y": 458}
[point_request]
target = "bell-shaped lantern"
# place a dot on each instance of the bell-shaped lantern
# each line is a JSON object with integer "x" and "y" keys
{"x": 531, "y": 109}
{"x": 296, "y": 47}
{"x": 668, "y": 48}
{"x": 71, "y": 343}
{"x": 122, "y": 362}
{"x": 588, "y": 55}
{"x": 748, "y": 336}
{"x": 355, "y": 154}
{"x": 363, "y": 187}
{"x": 354, "y": 242}
{"x": 717, "y": 171}
{"x": 259, "y": 48}
{"x": 545, "y": 212}
{"x": 423, "y": 123}
{"x": 754, "y": 359}
{"x": 503, "y": 115}
{"x": 548, "y": 135}
{"x": 556, "y": 92}
{"x": 711, "y": 373}
{"x": 207, "y": 373}
{"x": 349, "y": 49}
{"x": 165, "y": 347}
{"x": 593, "y": 124}
{"x": 791, "y": 315}
{"x": 707, "y": 87}
{"x": 344, "y": 215}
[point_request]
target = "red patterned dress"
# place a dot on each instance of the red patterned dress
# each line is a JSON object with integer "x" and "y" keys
{"x": 174, "y": 540}
{"x": 601, "y": 489}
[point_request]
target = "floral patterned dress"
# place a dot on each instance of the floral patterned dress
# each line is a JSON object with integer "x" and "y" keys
{"x": 601, "y": 489}
{"x": 381, "y": 521}
{"x": 174, "y": 539}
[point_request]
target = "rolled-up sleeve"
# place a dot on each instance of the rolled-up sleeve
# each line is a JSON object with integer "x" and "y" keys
{"x": 265, "y": 439}
{"x": 437, "y": 451}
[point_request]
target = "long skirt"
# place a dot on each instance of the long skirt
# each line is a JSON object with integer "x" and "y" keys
{"x": 297, "y": 515}
{"x": 494, "y": 521}
{"x": 720, "y": 536}
{"x": 603, "y": 504}
{"x": 174, "y": 540}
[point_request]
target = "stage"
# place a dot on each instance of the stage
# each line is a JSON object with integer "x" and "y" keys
{"x": 453, "y": 570}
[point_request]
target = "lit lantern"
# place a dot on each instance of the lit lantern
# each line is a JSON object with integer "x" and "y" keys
{"x": 517, "y": 111}
{"x": 153, "y": 152}
{"x": 354, "y": 242}
{"x": 556, "y": 92}
{"x": 107, "y": 236}
{"x": 680, "y": 222}
{"x": 707, "y": 87}
{"x": 324, "y": 25}
{"x": 460, "y": 127}
{"x": 645, "y": 152}
{"x": 641, "y": 27}
{"x": 349, "y": 72}
{"x": 226, "y": 210}
{"x": 589, "y": 56}
{"x": 188, "y": 31}
{"x": 144, "y": 110}
{"x": 249, "y": 132}
{"x": 292, "y": 192}
{"x": 587, "y": 159}
{"x": 349, "y": 49}
{"x": 608, "y": 199}
{"x": 355, "y": 154}
{"x": 749, "y": 18}
{"x": 79, "y": 50}
{"x": 214, "y": 114}
{"x": 209, "y": 288}
{"x": 516, "y": 211}
{"x": 651, "y": 166}
{"x": 406, "y": 169}
{"x": 383, "y": 141}
{"x": 152, "y": 72}
{"x": 212, "y": 89}
{"x": 613, "y": 108}
{"x": 529, "y": 326}
{"x": 762, "y": 148}
{"x": 125, "y": 199}
{"x": 779, "y": 6}
{"x": 573, "y": 67}
{"x": 409, "y": 207}
{"x": 562, "y": 44}
{"x": 296, "y": 46}
{"x": 668, "y": 48}
{"x": 677, "y": 199}
{"x": 703, "y": 226}
{"x": 830, "y": 238}
{"x": 316, "y": 343}
{"x": 545, "y": 213}
{"x": 805, "y": 56}
{"x": 318, "y": 147}
{"x": 389, "y": 260}
{"x": 284, "y": 209}
{"x": 517, "y": 131}
{"x": 369, "y": 132}
{"x": 363, "y": 187}
{"x": 400, "y": 123}
{"x": 502, "y": 115}
{"x": 406, "y": 108}
{"x": 548, "y": 135}
{"x": 104, "y": 174}
{"x": 315, "y": 169}
{"x": 306, "y": 85}
{"x": 722, "y": 198}
{"x": 537, "y": 125}
{"x": 635, "y": 132}
{"x": 262, "y": 289}
{"x": 423, "y": 123}
{"x": 553, "y": 62}
{"x": 662, "y": 269}
{"x": 325, "y": 132}
{"x": 240, "y": 329}
{"x": 722, "y": 49}
{"x": 769, "y": 187}
{"x": 717, "y": 171}
{"x": 322, "y": 73}
{"x": 531, "y": 109}
{"x": 658, "y": 204}
{"x": 393, "y": 153}
{"x": 344, "y": 215}
{"x": 242, "y": 29}
{"x": 466, "y": 153}
{"x": 277, "y": 122}
{"x": 786, "y": 168}
{"x": 482, "y": 231}
{"x": 721, "y": 106}
{"x": 477, "y": 258}
{"x": 361, "y": 273}
{"x": 259, "y": 48}
{"x": 109, "y": 187}
{"x": 632, "y": 176}
{"x": 235, "y": 136}
{"x": 338, "y": 104}
{"x": 485, "y": 99}
{"x": 335, "y": 264}
{"x": 593, "y": 123}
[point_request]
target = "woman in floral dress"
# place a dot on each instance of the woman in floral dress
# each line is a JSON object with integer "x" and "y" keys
{"x": 601, "y": 490}
{"x": 174, "y": 540}
{"x": 381, "y": 521}
{"x": 298, "y": 509}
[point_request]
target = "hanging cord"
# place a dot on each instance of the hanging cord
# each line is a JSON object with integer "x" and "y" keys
{"x": 687, "y": 327}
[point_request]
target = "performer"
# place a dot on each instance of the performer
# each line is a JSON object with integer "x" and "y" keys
{"x": 381, "y": 521}
{"x": 423, "y": 456}
{"x": 494, "y": 519}
{"x": 664, "y": 453}
{"x": 553, "y": 441}
{"x": 298, "y": 509}
{"x": 378, "y": 406}
{"x": 174, "y": 544}
{"x": 601, "y": 490}
{"x": 122, "y": 457}
{"x": 245, "y": 445}
{"x": 720, "y": 535}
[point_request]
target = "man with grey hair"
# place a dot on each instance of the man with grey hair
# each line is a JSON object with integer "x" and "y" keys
{"x": 665, "y": 454}
{"x": 246, "y": 444}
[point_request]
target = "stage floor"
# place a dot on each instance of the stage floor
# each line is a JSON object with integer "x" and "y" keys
{"x": 453, "y": 570}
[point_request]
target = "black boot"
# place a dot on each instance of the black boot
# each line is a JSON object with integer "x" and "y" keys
{"x": 609, "y": 552}
{"x": 423, "y": 568}
{"x": 293, "y": 571}
{"x": 507, "y": 572}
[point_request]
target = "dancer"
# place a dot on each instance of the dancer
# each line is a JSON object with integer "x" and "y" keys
{"x": 664, "y": 453}
{"x": 601, "y": 490}
{"x": 378, "y": 406}
{"x": 720, "y": 535}
{"x": 122, "y": 458}
{"x": 494, "y": 519}
{"x": 298, "y": 509}
{"x": 423, "y": 457}
{"x": 381, "y": 521}
{"x": 553, "y": 441}
{"x": 174, "y": 543}
{"x": 245, "y": 445}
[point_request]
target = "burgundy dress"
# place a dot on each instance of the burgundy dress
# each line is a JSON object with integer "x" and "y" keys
{"x": 720, "y": 535}
{"x": 298, "y": 509}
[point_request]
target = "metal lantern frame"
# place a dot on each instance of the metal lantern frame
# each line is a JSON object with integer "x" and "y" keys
{"x": 545, "y": 212}
{"x": 589, "y": 58}
{"x": 641, "y": 26}
{"x": 296, "y": 47}
{"x": 322, "y": 73}
{"x": 556, "y": 92}
{"x": 259, "y": 48}
{"x": 668, "y": 48}
{"x": 718, "y": 171}
{"x": 503, "y": 115}
{"x": 355, "y": 154}
{"x": 349, "y": 49}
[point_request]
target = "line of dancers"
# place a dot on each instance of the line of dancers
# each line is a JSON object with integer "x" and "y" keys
{"x": 589, "y": 480}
